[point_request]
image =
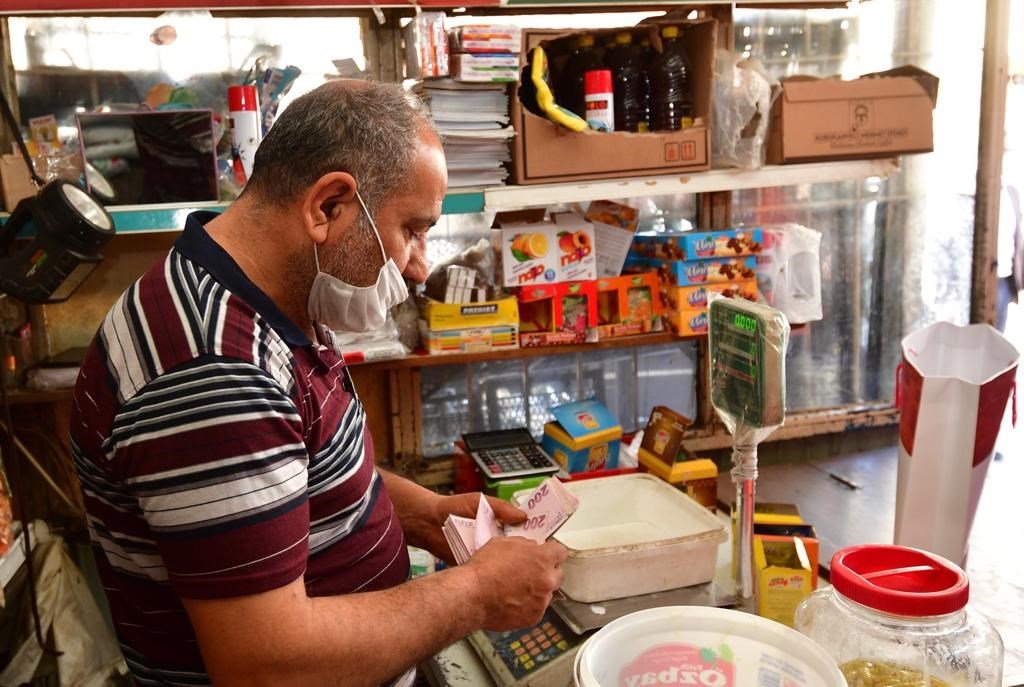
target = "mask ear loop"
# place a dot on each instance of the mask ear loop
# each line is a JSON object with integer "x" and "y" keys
{"x": 316, "y": 259}
{"x": 373, "y": 225}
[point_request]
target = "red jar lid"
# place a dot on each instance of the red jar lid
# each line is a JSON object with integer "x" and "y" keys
{"x": 899, "y": 580}
{"x": 597, "y": 81}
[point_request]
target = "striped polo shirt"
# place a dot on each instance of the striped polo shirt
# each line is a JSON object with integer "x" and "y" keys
{"x": 221, "y": 453}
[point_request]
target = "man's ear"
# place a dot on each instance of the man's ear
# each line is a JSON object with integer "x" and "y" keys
{"x": 330, "y": 200}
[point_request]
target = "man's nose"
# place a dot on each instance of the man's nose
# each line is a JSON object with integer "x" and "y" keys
{"x": 418, "y": 268}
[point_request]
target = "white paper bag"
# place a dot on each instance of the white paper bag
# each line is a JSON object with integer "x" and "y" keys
{"x": 952, "y": 390}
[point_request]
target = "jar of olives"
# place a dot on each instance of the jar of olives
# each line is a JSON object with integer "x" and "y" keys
{"x": 898, "y": 617}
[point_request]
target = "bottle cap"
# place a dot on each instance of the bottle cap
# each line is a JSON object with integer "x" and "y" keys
{"x": 669, "y": 31}
{"x": 899, "y": 580}
{"x": 597, "y": 81}
{"x": 623, "y": 38}
{"x": 242, "y": 98}
{"x": 586, "y": 40}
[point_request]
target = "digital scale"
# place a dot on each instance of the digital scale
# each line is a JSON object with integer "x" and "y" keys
{"x": 508, "y": 453}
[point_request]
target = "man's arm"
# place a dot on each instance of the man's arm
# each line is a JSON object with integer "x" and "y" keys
{"x": 282, "y": 637}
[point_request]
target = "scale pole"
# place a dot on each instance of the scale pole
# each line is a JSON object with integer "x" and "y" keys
{"x": 744, "y": 475}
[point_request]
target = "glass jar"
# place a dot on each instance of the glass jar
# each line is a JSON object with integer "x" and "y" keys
{"x": 898, "y": 617}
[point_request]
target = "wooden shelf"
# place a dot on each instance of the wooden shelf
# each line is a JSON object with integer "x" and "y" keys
{"x": 417, "y": 360}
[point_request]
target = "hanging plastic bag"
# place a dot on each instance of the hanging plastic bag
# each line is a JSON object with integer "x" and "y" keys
{"x": 743, "y": 96}
{"x": 791, "y": 275}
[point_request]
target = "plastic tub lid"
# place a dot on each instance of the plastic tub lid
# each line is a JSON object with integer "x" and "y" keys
{"x": 899, "y": 580}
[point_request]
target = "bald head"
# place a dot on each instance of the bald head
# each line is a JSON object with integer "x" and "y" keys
{"x": 370, "y": 130}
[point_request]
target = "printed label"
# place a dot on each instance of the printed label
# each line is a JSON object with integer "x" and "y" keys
{"x": 681, "y": 664}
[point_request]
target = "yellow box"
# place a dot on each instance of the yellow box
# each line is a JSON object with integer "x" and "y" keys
{"x": 784, "y": 578}
{"x": 699, "y": 478}
{"x": 503, "y": 312}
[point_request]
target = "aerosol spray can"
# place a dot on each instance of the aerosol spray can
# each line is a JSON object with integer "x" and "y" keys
{"x": 245, "y": 125}
{"x": 597, "y": 88}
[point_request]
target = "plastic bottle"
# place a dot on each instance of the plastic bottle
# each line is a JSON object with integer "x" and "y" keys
{"x": 599, "y": 99}
{"x": 624, "y": 62}
{"x": 584, "y": 58}
{"x": 646, "y": 57}
{"x": 672, "y": 100}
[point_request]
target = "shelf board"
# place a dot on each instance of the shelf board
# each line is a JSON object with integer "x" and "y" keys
{"x": 140, "y": 219}
{"x": 543, "y": 195}
{"x": 417, "y": 360}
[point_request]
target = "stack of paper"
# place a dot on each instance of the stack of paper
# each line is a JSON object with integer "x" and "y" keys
{"x": 473, "y": 120}
{"x": 547, "y": 509}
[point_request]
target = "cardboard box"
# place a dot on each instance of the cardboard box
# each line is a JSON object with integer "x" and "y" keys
{"x": 628, "y": 305}
{"x": 729, "y": 243}
{"x": 16, "y": 180}
{"x": 698, "y": 272}
{"x": 584, "y": 436}
{"x": 555, "y": 314}
{"x": 784, "y": 578}
{"x": 471, "y": 340}
{"x": 696, "y": 297}
{"x": 487, "y": 39}
{"x": 663, "y": 435}
{"x": 544, "y": 152}
{"x": 698, "y": 477}
{"x": 534, "y": 250}
{"x": 440, "y": 316}
{"x": 783, "y": 521}
{"x": 877, "y": 115}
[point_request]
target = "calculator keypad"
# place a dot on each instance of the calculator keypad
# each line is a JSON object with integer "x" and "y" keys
{"x": 525, "y": 458}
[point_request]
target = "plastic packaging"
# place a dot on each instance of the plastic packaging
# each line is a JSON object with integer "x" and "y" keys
{"x": 794, "y": 272}
{"x": 426, "y": 46}
{"x": 571, "y": 88}
{"x": 671, "y": 94}
{"x": 897, "y": 616}
{"x": 747, "y": 343}
{"x": 540, "y": 77}
{"x": 598, "y": 96}
{"x": 743, "y": 95}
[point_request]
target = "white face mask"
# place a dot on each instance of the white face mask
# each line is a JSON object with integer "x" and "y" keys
{"x": 343, "y": 307}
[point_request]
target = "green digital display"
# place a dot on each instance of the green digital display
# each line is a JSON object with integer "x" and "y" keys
{"x": 745, "y": 322}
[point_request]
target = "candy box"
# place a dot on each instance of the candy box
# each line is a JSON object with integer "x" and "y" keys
{"x": 628, "y": 305}
{"x": 696, "y": 297}
{"x": 710, "y": 271}
{"x": 552, "y": 314}
{"x": 584, "y": 436}
{"x": 729, "y": 243}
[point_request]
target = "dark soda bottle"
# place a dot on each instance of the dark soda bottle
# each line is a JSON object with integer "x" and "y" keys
{"x": 672, "y": 100}
{"x": 646, "y": 57}
{"x": 624, "y": 61}
{"x": 583, "y": 59}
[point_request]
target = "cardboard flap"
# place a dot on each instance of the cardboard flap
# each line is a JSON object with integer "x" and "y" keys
{"x": 585, "y": 418}
{"x": 511, "y": 218}
{"x": 902, "y": 82}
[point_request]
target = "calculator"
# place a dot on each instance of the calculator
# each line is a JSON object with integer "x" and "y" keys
{"x": 538, "y": 655}
{"x": 508, "y": 453}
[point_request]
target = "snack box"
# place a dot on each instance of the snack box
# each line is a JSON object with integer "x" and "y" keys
{"x": 534, "y": 250}
{"x": 784, "y": 578}
{"x": 688, "y": 322}
{"x": 697, "y": 297}
{"x": 584, "y": 436}
{"x": 471, "y": 340}
{"x": 553, "y": 314}
{"x": 503, "y": 312}
{"x": 696, "y": 245}
{"x": 699, "y": 272}
{"x": 628, "y": 305}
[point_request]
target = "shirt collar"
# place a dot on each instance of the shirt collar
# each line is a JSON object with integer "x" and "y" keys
{"x": 196, "y": 245}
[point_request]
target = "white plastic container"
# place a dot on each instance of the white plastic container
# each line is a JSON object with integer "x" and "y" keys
{"x": 636, "y": 534}
{"x": 707, "y": 647}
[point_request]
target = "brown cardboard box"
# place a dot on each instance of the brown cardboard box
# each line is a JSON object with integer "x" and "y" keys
{"x": 15, "y": 179}
{"x": 545, "y": 152}
{"x": 877, "y": 115}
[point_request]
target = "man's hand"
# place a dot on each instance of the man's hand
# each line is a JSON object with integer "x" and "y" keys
{"x": 422, "y": 513}
{"x": 517, "y": 578}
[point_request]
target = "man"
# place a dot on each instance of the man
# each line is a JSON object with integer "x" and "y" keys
{"x": 243, "y": 535}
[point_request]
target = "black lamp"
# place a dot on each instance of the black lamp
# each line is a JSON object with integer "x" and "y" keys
{"x": 70, "y": 229}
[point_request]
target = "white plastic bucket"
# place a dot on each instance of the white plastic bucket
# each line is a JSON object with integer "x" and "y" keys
{"x": 702, "y": 646}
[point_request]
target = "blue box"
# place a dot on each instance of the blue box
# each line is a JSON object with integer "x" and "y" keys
{"x": 698, "y": 245}
{"x": 584, "y": 436}
{"x": 710, "y": 271}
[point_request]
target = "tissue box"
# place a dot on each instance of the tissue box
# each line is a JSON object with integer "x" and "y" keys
{"x": 628, "y": 305}
{"x": 784, "y": 578}
{"x": 584, "y": 436}
{"x": 555, "y": 314}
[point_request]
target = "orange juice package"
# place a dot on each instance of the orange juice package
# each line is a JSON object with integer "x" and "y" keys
{"x": 534, "y": 250}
